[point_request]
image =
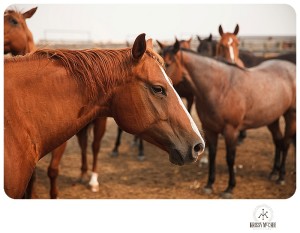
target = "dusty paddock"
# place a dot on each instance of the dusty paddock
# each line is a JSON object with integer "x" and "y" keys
{"x": 125, "y": 177}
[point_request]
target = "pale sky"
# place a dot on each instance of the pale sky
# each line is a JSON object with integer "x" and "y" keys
{"x": 104, "y": 22}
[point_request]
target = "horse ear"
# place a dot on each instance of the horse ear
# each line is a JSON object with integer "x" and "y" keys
{"x": 221, "y": 30}
{"x": 189, "y": 40}
{"x": 176, "y": 46}
{"x": 161, "y": 45}
{"x": 210, "y": 37}
{"x": 149, "y": 43}
{"x": 139, "y": 47}
{"x": 198, "y": 37}
{"x": 236, "y": 30}
{"x": 29, "y": 13}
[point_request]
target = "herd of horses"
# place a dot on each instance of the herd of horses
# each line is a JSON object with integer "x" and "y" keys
{"x": 52, "y": 94}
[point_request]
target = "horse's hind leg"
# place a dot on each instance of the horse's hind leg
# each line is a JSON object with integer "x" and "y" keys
{"x": 277, "y": 140}
{"x": 99, "y": 130}
{"x": 289, "y": 134}
{"x": 212, "y": 143}
{"x": 141, "y": 156}
{"x": 53, "y": 169}
{"x": 115, "y": 151}
{"x": 82, "y": 140}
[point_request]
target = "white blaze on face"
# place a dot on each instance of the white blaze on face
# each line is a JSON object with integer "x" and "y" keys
{"x": 193, "y": 125}
{"x": 231, "y": 49}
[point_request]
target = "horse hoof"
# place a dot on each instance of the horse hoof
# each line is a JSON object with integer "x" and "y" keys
{"x": 226, "y": 195}
{"x": 273, "y": 177}
{"x": 207, "y": 190}
{"x": 280, "y": 182}
{"x": 83, "y": 178}
{"x": 94, "y": 188}
{"x": 141, "y": 158}
{"x": 114, "y": 154}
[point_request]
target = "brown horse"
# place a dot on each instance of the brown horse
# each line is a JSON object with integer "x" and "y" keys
{"x": 228, "y": 45}
{"x": 18, "y": 39}
{"x": 181, "y": 88}
{"x": 230, "y": 99}
{"x": 52, "y": 94}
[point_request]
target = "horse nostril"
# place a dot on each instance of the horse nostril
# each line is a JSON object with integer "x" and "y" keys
{"x": 198, "y": 148}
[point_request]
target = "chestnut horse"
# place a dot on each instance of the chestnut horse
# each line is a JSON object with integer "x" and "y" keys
{"x": 228, "y": 45}
{"x": 230, "y": 99}
{"x": 18, "y": 39}
{"x": 52, "y": 94}
{"x": 181, "y": 88}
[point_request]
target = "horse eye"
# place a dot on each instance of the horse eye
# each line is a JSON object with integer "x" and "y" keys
{"x": 13, "y": 21}
{"x": 158, "y": 90}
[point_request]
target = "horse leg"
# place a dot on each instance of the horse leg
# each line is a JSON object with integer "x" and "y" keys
{"x": 231, "y": 135}
{"x": 141, "y": 156}
{"x": 115, "y": 151}
{"x": 30, "y": 190}
{"x": 53, "y": 169}
{"x": 242, "y": 136}
{"x": 289, "y": 134}
{"x": 99, "y": 130}
{"x": 277, "y": 140}
{"x": 212, "y": 143}
{"x": 82, "y": 140}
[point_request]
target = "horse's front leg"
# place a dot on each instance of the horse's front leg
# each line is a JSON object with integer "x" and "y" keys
{"x": 212, "y": 143}
{"x": 231, "y": 136}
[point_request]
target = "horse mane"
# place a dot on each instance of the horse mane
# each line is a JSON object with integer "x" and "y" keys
{"x": 219, "y": 59}
{"x": 96, "y": 68}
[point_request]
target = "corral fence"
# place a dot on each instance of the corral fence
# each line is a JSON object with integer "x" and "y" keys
{"x": 259, "y": 45}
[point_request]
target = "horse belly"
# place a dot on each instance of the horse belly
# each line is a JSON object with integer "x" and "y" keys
{"x": 267, "y": 113}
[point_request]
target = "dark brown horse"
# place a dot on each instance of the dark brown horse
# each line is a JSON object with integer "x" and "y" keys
{"x": 181, "y": 88}
{"x": 250, "y": 60}
{"x": 207, "y": 46}
{"x": 18, "y": 39}
{"x": 136, "y": 142}
{"x": 230, "y": 99}
{"x": 50, "y": 95}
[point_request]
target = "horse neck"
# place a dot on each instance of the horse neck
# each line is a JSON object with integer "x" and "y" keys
{"x": 205, "y": 73}
{"x": 48, "y": 107}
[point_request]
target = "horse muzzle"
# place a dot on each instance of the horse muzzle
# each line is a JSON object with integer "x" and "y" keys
{"x": 177, "y": 157}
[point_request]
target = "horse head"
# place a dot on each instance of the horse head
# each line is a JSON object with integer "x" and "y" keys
{"x": 207, "y": 46}
{"x": 18, "y": 39}
{"x": 151, "y": 109}
{"x": 228, "y": 46}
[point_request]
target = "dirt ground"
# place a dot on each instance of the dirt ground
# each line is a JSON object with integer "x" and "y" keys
{"x": 125, "y": 177}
